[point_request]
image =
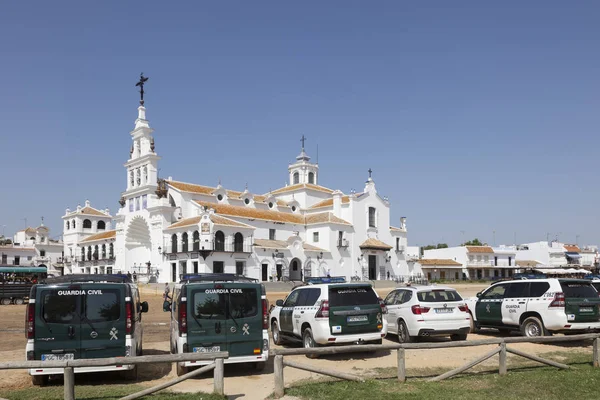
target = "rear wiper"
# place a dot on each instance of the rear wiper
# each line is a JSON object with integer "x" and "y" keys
{"x": 87, "y": 321}
{"x": 45, "y": 324}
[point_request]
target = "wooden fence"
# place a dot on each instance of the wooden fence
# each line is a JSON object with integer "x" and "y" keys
{"x": 502, "y": 350}
{"x": 69, "y": 376}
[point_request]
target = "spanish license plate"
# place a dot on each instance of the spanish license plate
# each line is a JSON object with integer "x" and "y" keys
{"x": 211, "y": 349}
{"x": 443, "y": 310}
{"x": 586, "y": 309}
{"x": 58, "y": 357}
{"x": 358, "y": 318}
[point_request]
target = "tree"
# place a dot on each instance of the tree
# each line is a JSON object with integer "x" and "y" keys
{"x": 433, "y": 246}
{"x": 474, "y": 242}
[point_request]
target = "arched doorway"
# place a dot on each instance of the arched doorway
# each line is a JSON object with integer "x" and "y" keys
{"x": 138, "y": 245}
{"x": 295, "y": 270}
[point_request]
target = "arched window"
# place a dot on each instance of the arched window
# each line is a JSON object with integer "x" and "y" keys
{"x": 174, "y": 243}
{"x": 196, "y": 239}
{"x": 101, "y": 225}
{"x": 68, "y": 225}
{"x": 311, "y": 177}
{"x": 95, "y": 252}
{"x": 296, "y": 178}
{"x": 131, "y": 180}
{"x": 103, "y": 251}
{"x": 83, "y": 254}
{"x": 184, "y": 242}
{"x": 138, "y": 178}
{"x": 219, "y": 241}
{"x": 372, "y": 222}
{"x": 89, "y": 253}
{"x": 111, "y": 251}
{"x": 145, "y": 174}
{"x": 87, "y": 223}
{"x": 172, "y": 201}
{"x": 73, "y": 224}
{"x": 238, "y": 242}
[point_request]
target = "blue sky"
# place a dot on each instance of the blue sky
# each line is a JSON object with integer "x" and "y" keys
{"x": 474, "y": 117}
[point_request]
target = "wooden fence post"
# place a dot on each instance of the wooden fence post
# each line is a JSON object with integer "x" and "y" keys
{"x": 596, "y": 355}
{"x": 502, "y": 359}
{"x": 279, "y": 384}
{"x": 401, "y": 366}
{"x": 219, "y": 376}
{"x": 69, "y": 378}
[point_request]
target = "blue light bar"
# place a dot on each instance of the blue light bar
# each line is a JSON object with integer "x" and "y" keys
{"x": 326, "y": 279}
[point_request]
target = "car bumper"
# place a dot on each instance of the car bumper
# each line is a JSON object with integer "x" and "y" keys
{"x": 575, "y": 327}
{"x": 79, "y": 370}
{"x": 231, "y": 360}
{"x": 322, "y": 335}
{"x": 440, "y": 328}
{"x": 447, "y": 332}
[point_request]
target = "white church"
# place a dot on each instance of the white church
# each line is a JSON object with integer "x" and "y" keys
{"x": 165, "y": 228}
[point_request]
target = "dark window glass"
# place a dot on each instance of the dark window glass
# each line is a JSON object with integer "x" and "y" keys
{"x": 271, "y": 234}
{"x": 238, "y": 242}
{"x": 537, "y": 289}
{"x": 352, "y": 296}
{"x": 219, "y": 241}
{"x": 209, "y": 305}
{"x": 495, "y": 292}
{"x": 438, "y": 295}
{"x": 173, "y": 243}
{"x": 243, "y": 305}
{"x": 515, "y": 290}
{"x": 218, "y": 267}
{"x": 311, "y": 177}
{"x": 184, "y": 242}
{"x": 103, "y": 307}
{"x": 391, "y": 298}
{"x": 578, "y": 290}
{"x": 313, "y": 296}
{"x": 296, "y": 178}
{"x": 101, "y": 225}
{"x": 239, "y": 267}
{"x": 42, "y": 253}
{"x": 196, "y": 239}
{"x": 60, "y": 309}
{"x": 292, "y": 299}
{"x": 87, "y": 223}
{"x": 371, "y": 217}
{"x": 405, "y": 297}
{"x": 302, "y": 297}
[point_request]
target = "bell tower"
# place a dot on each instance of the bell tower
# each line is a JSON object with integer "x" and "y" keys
{"x": 303, "y": 171}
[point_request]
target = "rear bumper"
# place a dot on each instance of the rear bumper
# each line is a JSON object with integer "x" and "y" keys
{"x": 439, "y": 328}
{"x": 231, "y": 360}
{"x": 322, "y": 335}
{"x": 443, "y": 332}
{"x": 80, "y": 370}
{"x": 575, "y": 327}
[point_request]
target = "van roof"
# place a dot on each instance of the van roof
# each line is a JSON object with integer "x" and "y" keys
{"x": 193, "y": 278}
{"x": 83, "y": 278}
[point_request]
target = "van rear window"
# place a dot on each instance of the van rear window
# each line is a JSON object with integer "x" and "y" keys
{"x": 209, "y": 305}
{"x": 60, "y": 309}
{"x": 578, "y": 290}
{"x": 352, "y": 296}
{"x": 438, "y": 295}
{"x": 220, "y": 306}
{"x": 103, "y": 307}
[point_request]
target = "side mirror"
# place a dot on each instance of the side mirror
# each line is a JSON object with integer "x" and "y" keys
{"x": 279, "y": 303}
{"x": 478, "y": 295}
{"x": 145, "y": 306}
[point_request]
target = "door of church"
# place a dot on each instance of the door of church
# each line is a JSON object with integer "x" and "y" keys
{"x": 372, "y": 267}
{"x": 265, "y": 272}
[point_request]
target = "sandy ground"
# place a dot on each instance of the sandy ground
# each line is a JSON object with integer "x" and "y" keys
{"x": 241, "y": 381}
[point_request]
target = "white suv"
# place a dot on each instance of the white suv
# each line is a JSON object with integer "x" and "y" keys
{"x": 422, "y": 311}
{"x": 537, "y": 307}
{"x": 325, "y": 314}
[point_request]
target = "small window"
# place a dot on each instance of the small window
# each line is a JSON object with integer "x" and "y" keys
{"x": 352, "y": 296}
{"x": 397, "y": 243}
{"x": 537, "y": 289}
{"x": 101, "y": 225}
{"x": 174, "y": 243}
{"x": 296, "y": 178}
{"x": 220, "y": 197}
{"x": 73, "y": 224}
{"x": 196, "y": 241}
{"x": 243, "y": 305}
{"x": 270, "y": 204}
{"x": 238, "y": 243}
{"x": 29, "y": 258}
{"x": 246, "y": 201}
{"x": 372, "y": 222}
{"x": 240, "y": 266}
{"x": 316, "y": 237}
{"x": 271, "y": 234}
{"x": 130, "y": 205}
{"x": 144, "y": 202}
{"x": 209, "y": 305}
{"x": 68, "y": 225}
{"x": 311, "y": 177}
{"x": 42, "y": 253}
{"x": 17, "y": 260}
{"x": 293, "y": 208}
{"x": 184, "y": 242}
{"x": 87, "y": 224}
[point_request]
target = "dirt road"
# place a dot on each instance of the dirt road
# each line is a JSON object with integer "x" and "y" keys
{"x": 241, "y": 380}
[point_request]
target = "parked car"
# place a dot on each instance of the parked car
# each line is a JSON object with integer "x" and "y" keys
{"x": 84, "y": 316}
{"x": 219, "y": 312}
{"x": 423, "y": 311}
{"x": 537, "y": 307}
{"x": 328, "y": 314}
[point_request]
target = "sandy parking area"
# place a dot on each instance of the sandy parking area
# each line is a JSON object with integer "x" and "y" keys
{"x": 241, "y": 380}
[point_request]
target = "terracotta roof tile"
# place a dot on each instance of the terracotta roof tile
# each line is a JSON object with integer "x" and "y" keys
{"x": 89, "y": 211}
{"x": 393, "y": 228}
{"x": 271, "y": 244}
{"x": 253, "y": 213}
{"x": 101, "y": 236}
{"x": 310, "y": 247}
{"x": 207, "y": 190}
{"x": 299, "y": 186}
{"x": 571, "y": 248}
{"x": 372, "y": 243}
{"x": 324, "y": 217}
{"x": 528, "y": 263}
{"x": 216, "y": 219}
{"x": 329, "y": 202}
{"x": 480, "y": 249}
{"x": 436, "y": 262}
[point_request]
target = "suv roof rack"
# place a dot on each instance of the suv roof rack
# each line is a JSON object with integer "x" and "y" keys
{"x": 187, "y": 278}
{"x": 117, "y": 278}
{"x": 325, "y": 279}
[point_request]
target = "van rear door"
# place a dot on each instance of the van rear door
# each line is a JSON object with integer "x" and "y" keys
{"x": 354, "y": 309}
{"x": 206, "y": 318}
{"x": 57, "y": 329}
{"x": 581, "y": 301}
{"x": 244, "y": 319}
{"x": 103, "y": 321}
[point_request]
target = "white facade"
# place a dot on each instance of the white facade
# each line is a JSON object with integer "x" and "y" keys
{"x": 546, "y": 253}
{"x": 33, "y": 247}
{"x": 168, "y": 227}
{"x": 589, "y": 256}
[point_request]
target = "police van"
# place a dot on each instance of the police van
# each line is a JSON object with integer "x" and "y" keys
{"x": 219, "y": 312}
{"x": 81, "y": 317}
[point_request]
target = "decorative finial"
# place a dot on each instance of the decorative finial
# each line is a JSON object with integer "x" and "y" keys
{"x": 42, "y": 221}
{"x": 246, "y": 186}
{"x": 141, "y": 85}
{"x": 219, "y": 181}
{"x": 302, "y": 140}
{"x": 370, "y": 172}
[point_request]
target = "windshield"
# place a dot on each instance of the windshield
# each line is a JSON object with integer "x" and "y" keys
{"x": 352, "y": 296}
{"x": 438, "y": 295}
{"x": 578, "y": 290}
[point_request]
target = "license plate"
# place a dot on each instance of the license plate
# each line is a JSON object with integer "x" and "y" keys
{"x": 58, "y": 357}
{"x": 212, "y": 349}
{"x": 443, "y": 310}
{"x": 358, "y": 318}
{"x": 586, "y": 309}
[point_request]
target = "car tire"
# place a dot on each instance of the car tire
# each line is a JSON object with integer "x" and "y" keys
{"x": 474, "y": 325}
{"x": 533, "y": 327}
{"x": 19, "y": 301}
{"x": 39, "y": 380}
{"x": 181, "y": 370}
{"x": 458, "y": 337}
{"x": 403, "y": 334}
{"x": 308, "y": 342}
{"x": 276, "y": 333}
{"x": 5, "y": 301}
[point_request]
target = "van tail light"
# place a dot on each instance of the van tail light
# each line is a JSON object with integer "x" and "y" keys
{"x": 384, "y": 309}
{"x": 265, "y": 313}
{"x": 418, "y": 310}
{"x": 323, "y": 310}
{"x": 182, "y": 317}
{"x": 558, "y": 301}
{"x": 463, "y": 308}
{"x": 30, "y": 321}
{"x": 128, "y": 318}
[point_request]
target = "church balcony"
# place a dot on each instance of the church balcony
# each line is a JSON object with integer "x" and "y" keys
{"x": 240, "y": 248}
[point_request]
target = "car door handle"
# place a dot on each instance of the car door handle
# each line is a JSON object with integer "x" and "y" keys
{"x": 71, "y": 332}
{"x": 521, "y": 302}
{"x": 301, "y": 312}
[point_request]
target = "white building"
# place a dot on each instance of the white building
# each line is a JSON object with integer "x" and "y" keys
{"x": 478, "y": 262}
{"x": 303, "y": 229}
{"x": 33, "y": 247}
{"x": 589, "y": 256}
{"x": 551, "y": 254}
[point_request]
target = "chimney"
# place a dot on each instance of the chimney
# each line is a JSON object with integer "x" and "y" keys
{"x": 87, "y": 203}
{"x": 337, "y": 203}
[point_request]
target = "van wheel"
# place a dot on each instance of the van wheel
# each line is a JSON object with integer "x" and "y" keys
{"x": 276, "y": 333}
{"x": 533, "y": 327}
{"x": 458, "y": 337}
{"x": 181, "y": 370}
{"x": 474, "y": 325}
{"x": 19, "y": 301}
{"x": 40, "y": 380}
{"x": 309, "y": 342}
{"x": 5, "y": 301}
{"x": 403, "y": 335}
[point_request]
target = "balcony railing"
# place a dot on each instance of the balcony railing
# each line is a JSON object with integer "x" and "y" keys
{"x": 224, "y": 247}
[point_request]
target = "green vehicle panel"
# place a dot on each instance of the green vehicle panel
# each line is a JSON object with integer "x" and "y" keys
{"x": 354, "y": 309}
{"x": 581, "y": 300}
